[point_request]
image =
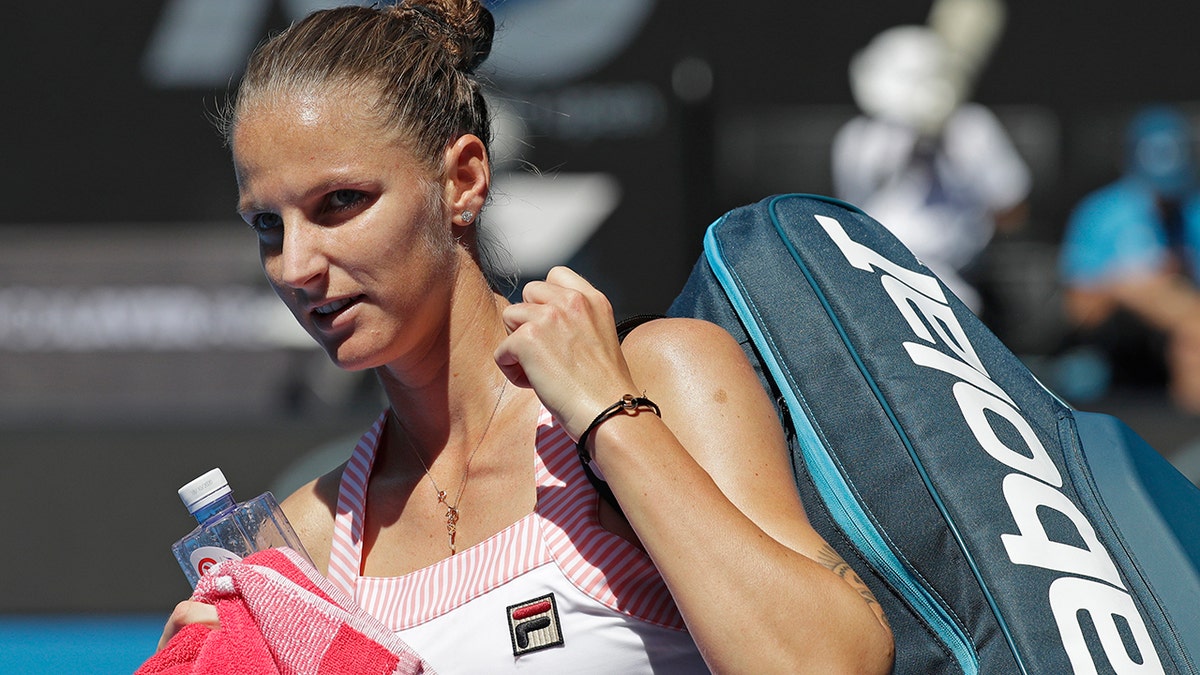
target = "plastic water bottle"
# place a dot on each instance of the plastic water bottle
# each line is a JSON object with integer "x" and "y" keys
{"x": 228, "y": 529}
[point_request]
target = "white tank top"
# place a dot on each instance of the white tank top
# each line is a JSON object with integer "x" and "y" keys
{"x": 553, "y": 592}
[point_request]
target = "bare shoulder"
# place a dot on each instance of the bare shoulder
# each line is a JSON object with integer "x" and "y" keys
{"x": 682, "y": 343}
{"x": 690, "y": 356}
{"x": 715, "y": 404}
{"x": 707, "y": 388}
{"x": 311, "y": 510}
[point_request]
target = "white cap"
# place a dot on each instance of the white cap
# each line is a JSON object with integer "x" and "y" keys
{"x": 204, "y": 490}
{"x": 906, "y": 75}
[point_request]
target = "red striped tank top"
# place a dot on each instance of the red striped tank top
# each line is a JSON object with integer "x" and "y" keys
{"x": 553, "y": 592}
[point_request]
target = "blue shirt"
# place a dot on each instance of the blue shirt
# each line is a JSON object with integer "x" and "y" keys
{"x": 1117, "y": 232}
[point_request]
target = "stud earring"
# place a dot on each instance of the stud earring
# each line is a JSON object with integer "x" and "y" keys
{"x": 467, "y": 217}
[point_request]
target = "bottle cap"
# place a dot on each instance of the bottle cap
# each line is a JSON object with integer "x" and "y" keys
{"x": 204, "y": 490}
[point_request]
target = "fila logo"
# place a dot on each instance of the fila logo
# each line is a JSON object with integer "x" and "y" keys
{"x": 533, "y": 625}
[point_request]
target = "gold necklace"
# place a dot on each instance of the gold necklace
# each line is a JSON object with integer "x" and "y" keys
{"x": 452, "y": 509}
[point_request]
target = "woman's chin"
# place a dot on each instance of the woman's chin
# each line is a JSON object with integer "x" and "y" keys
{"x": 353, "y": 364}
{"x": 348, "y": 358}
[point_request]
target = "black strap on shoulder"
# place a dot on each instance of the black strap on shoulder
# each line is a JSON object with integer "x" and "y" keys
{"x": 624, "y": 327}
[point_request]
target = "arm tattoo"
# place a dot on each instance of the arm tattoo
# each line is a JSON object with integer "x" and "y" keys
{"x": 830, "y": 559}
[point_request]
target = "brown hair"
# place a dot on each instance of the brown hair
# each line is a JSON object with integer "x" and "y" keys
{"x": 419, "y": 57}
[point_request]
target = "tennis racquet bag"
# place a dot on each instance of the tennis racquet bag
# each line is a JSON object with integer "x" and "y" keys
{"x": 1002, "y": 531}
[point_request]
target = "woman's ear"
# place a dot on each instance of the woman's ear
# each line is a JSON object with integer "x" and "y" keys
{"x": 468, "y": 178}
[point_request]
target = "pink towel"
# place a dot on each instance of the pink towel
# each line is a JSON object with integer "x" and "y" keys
{"x": 279, "y": 616}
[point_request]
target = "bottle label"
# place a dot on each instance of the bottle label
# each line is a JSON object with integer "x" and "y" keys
{"x": 206, "y": 557}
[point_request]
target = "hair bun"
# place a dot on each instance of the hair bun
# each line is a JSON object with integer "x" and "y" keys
{"x": 464, "y": 27}
{"x": 481, "y": 46}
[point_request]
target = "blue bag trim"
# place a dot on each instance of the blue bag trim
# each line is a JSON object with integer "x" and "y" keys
{"x": 845, "y": 508}
{"x": 887, "y": 409}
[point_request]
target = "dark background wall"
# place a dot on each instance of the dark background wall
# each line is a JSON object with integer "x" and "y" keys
{"x": 90, "y": 139}
{"x": 115, "y": 181}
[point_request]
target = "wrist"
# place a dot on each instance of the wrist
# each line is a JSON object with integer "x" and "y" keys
{"x": 629, "y": 405}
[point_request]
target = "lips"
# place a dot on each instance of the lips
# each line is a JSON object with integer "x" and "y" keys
{"x": 330, "y": 314}
{"x": 331, "y": 307}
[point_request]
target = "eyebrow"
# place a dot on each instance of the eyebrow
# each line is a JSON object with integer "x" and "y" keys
{"x": 245, "y": 207}
{"x": 336, "y": 177}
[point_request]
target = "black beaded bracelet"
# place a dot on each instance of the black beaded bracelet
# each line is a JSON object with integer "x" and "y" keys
{"x": 628, "y": 404}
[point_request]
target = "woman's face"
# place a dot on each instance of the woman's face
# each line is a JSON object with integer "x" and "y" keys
{"x": 351, "y": 230}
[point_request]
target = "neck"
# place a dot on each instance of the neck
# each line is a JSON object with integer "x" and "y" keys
{"x": 444, "y": 396}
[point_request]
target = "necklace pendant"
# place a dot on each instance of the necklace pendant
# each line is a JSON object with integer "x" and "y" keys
{"x": 452, "y": 527}
{"x": 451, "y": 509}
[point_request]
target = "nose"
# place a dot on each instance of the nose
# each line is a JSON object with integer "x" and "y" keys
{"x": 301, "y": 261}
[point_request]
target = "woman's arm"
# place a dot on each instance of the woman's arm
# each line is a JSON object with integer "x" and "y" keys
{"x": 708, "y": 488}
{"x": 710, "y": 493}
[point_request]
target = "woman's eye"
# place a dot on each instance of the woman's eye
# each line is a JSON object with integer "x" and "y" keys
{"x": 343, "y": 199}
{"x": 265, "y": 222}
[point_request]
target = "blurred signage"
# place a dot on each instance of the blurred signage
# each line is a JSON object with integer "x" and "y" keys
{"x": 202, "y": 43}
{"x": 154, "y": 318}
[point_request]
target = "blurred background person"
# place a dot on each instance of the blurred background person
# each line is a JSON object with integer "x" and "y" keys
{"x": 938, "y": 171}
{"x": 1129, "y": 262}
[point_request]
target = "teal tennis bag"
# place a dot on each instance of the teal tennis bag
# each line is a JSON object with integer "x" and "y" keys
{"x": 1002, "y": 531}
